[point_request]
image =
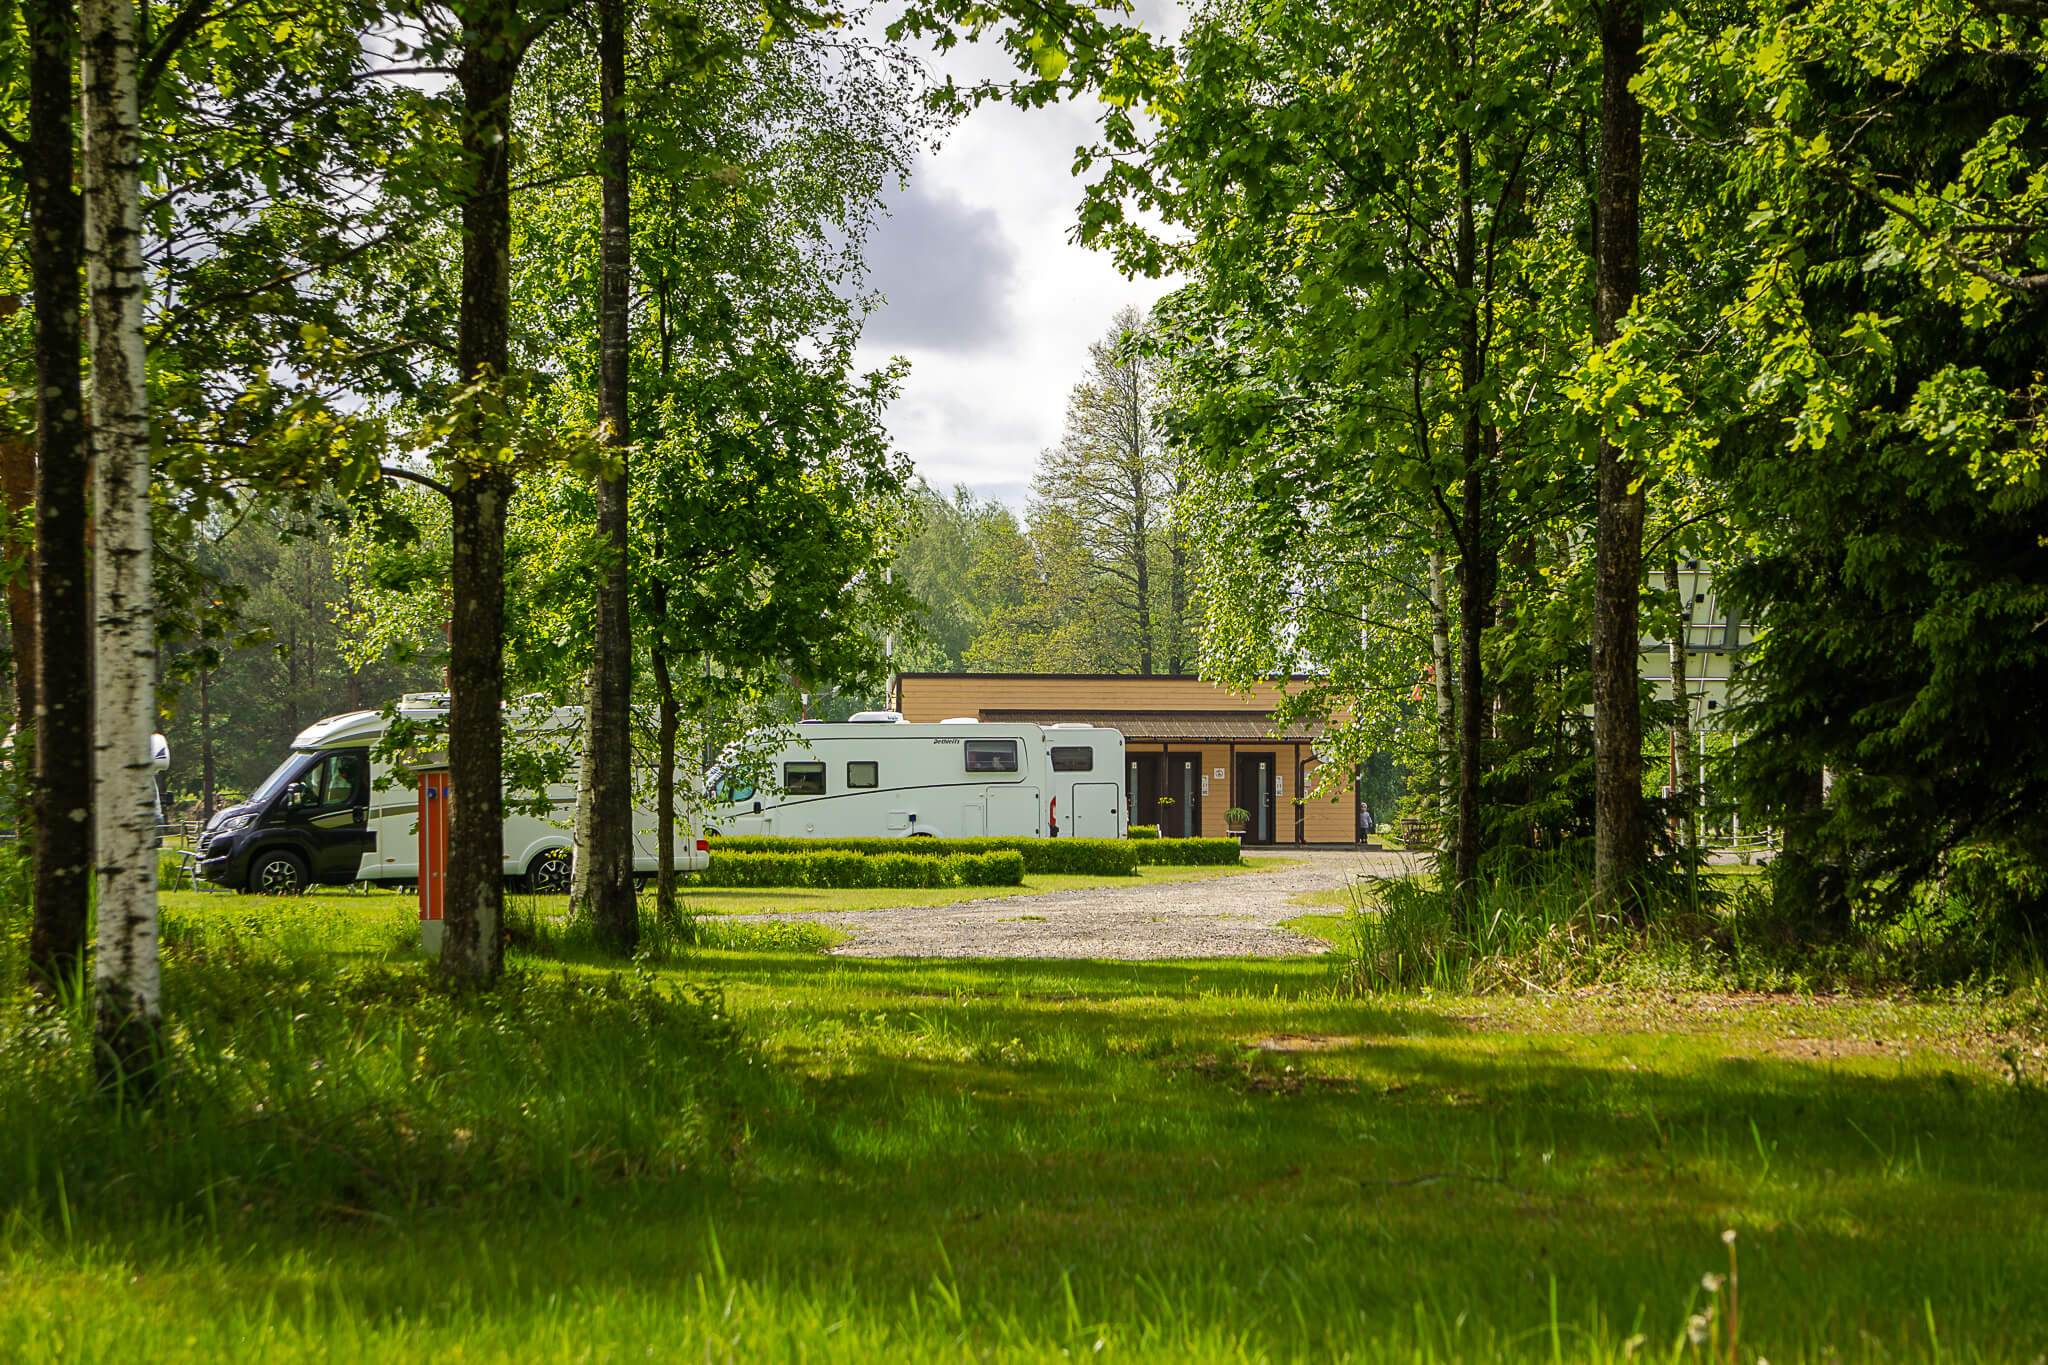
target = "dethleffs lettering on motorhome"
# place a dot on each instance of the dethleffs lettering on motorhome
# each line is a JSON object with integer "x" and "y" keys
{"x": 331, "y": 813}
{"x": 877, "y": 777}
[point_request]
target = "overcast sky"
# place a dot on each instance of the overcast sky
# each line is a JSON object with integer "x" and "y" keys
{"x": 988, "y": 297}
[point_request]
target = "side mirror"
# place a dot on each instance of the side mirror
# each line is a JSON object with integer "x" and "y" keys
{"x": 757, "y": 808}
{"x": 296, "y": 795}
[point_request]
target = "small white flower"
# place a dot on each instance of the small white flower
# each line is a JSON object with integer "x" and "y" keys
{"x": 1729, "y": 1236}
{"x": 1696, "y": 1329}
{"x": 1712, "y": 1283}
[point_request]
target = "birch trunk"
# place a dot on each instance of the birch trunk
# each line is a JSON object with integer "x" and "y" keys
{"x": 18, "y": 492}
{"x": 1619, "y": 843}
{"x": 614, "y": 912}
{"x": 128, "y": 998}
{"x": 64, "y": 720}
{"x": 1681, "y": 729}
{"x": 473, "y": 939}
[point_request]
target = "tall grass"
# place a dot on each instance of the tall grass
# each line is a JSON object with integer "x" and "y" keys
{"x": 292, "y": 1088}
{"x": 1542, "y": 933}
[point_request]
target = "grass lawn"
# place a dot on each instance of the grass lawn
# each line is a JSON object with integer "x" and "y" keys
{"x": 1046, "y": 1160}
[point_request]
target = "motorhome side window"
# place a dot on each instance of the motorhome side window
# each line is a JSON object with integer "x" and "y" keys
{"x": 863, "y": 775}
{"x": 991, "y": 755}
{"x": 1073, "y": 758}
{"x": 803, "y": 779}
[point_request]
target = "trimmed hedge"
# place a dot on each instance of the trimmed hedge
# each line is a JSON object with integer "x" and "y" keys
{"x": 1142, "y": 832}
{"x": 839, "y": 869}
{"x": 1189, "y": 852}
{"x": 1075, "y": 857}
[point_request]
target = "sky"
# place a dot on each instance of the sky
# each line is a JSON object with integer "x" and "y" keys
{"x": 989, "y": 298}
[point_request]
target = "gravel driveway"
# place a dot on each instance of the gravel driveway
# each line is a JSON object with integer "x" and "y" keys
{"x": 1236, "y": 916}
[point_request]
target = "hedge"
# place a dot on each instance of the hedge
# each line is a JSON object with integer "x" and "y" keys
{"x": 1075, "y": 857}
{"x": 839, "y": 869}
{"x": 1142, "y": 832}
{"x": 1188, "y": 852}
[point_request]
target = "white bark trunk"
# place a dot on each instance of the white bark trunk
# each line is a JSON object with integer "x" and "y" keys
{"x": 128, "y": 997}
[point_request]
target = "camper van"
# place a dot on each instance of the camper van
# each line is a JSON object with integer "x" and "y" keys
{"x": 877, "y": 777}
{"x": 330, "y": 814}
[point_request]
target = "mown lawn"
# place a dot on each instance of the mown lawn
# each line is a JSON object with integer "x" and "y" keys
{"x": 1043, "y": 1160}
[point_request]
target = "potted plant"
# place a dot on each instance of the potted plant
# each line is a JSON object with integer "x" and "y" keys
{"x": 1234, "y": 820}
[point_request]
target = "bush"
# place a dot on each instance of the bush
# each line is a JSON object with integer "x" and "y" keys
{"x": 1144, "y": 832}
{"x": 1190, "y": 853}
{"x": 838, "y": 869}
{"x": 1073, "y": 857}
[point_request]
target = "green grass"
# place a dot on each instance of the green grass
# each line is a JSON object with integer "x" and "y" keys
{"x": 755, "y": 1152}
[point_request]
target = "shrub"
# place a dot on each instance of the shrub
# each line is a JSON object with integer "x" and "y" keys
{"x": 1074, "y": 857}
{"x": 1190, "y": 853}
{"x": 838, "y": 869}
{"x": 1144, "y": 832}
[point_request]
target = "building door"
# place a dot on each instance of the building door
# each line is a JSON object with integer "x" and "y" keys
{"x": 1255, "y": 777}
{"x": 1181, "y": 818}
{"x": 1147, "y": 774}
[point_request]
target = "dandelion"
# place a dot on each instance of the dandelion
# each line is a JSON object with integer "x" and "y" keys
{"x": 1712, "y": 1283}
{"x": 1728, "y": 1237}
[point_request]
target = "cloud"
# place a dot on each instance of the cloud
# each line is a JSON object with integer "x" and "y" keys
{"x": 946, "y": 268}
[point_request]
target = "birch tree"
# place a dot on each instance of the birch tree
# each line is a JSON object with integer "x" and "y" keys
{"x": 128, "y": 994}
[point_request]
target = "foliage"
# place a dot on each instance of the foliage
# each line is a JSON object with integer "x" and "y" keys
{"x": 1084, "y": 857}
{"x": 834, "y": 868}
{"x": 1142, "y": 832}
{"x": 1157, "y": 852}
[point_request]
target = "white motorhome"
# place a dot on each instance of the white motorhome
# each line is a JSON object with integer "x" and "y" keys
{"x": 330, "y": 814}
{"x": 878, "y": 777}
{"x": 1087, "y": 767}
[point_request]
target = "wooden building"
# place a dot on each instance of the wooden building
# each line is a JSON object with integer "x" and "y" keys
{"x": 1193, "y": 749}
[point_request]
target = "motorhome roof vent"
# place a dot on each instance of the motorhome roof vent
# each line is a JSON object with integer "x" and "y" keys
{"x": 1069, "y": 725}
{"x": 875, "y": 718}
{"x": 961, "y": 720}
{"x": 416, "y": 701}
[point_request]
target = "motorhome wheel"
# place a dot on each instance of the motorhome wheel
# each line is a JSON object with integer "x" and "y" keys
{"x": 551, "y": 873}
{"x": 277, "y": 873}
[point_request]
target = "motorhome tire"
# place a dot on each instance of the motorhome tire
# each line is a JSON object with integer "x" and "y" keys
{"x": 924, "y": 834}
{"x": 278, "y": 872}
{"x": 550, "y": 873}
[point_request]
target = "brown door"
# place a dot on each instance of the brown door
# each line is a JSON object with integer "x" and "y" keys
{"x": 1147, "y": 775}
{"x": 1256, "y": 774}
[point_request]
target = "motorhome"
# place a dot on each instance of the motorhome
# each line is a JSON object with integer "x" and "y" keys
{"x": 876, "y": 776}
{"x": 331, "y": 813}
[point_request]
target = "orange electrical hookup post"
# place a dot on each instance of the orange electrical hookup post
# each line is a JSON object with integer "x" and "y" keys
{"x": 437, "y": 802}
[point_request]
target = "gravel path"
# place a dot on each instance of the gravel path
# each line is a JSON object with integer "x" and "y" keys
{"x": 1236, "y": 916}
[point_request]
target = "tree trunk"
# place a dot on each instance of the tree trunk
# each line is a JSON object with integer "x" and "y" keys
{"x": 614, "y": 912}
{"x": 291, "y": 678}
{"x": 580, "y": 830}
{"x": 64, "y": 740}
{"x": 666, "y": 909}
{"x": 207, "y": 794}
{"x": 473, "y": 945}
{"x": 18, "y": 495}
{"x": 1478, "y": 561}
{"x": 1681, "y": 727}
{"x": 1177, "y": 588}
{"x": 1141, "y": 561}
{"x": 1446, "y": 704}
{"x": 1619, "y": 846}
{"x": 128, "y": 1001}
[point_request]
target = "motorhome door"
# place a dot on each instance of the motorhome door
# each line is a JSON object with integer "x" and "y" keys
{"x": 1095, "y": 812}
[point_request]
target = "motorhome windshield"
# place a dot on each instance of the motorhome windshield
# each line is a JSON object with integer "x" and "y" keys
{"x": 275, "y": 783}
